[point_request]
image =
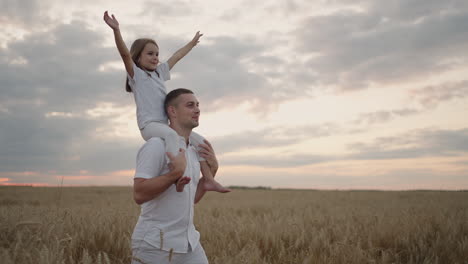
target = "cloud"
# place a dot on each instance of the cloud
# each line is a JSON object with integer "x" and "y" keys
{"x": 218, "y": 72}
{"x": 277, "y": 161}
{"x": 349, "y": 48}
{"x": 413, "y": 144}
{"x": 415, "y": 10}
{"x": 430, "y": 96}
{"x": 409, "y": 145}
{"x": 383, "y": 45}
{"x": 166, "y": 10}
{"x": 60, "y": 68}
{"x": 286, "y": 136}
{"x": 273, "y": 137}
{"x": 24, "y": 12}
{"x": 32, "y": 142}
{"x": 382, "y": 116}
{"x": 46, "y": 98}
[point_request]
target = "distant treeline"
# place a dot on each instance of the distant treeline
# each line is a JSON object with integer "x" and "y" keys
{"x": 250, "y": 187}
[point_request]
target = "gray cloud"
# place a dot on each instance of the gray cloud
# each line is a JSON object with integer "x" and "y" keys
{"x": 415, "y": 10}
{"x": 410, "y": 10}
{"x": 32, "y": 142}
{"x": 382, "y": 116}
{"x": 414, "y": 144}
{"x": 431, "y": 96}
{"x": 273, "y": 137}
{"x": 384, "y": 45}
{"x": 231, "y": 15}
{"x": 278, "y": 161}
{"x": 61, "y": 70}
{"x": 284, "y": 136}
{"x": 22, "y": 12}
{"x": 58, "y": 72}
{"x": 163, "y": 9}
{"x": 219, "y": 74}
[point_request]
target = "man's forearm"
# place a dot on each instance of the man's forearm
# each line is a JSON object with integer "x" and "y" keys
{"x": 147, "y": 189}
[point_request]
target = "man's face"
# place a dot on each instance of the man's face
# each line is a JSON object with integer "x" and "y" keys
{"x": 187, "y": 112}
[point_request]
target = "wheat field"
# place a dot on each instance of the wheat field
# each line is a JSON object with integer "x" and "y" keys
{"x": 94, "y": 225}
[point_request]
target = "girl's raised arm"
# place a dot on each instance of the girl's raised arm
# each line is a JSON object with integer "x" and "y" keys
{"x": 124, "y": 53}
{"x": 184, "y": 50}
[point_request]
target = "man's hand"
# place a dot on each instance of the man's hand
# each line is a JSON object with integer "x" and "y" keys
{"x": 196, "y": 39}
{"x": 207, "y": 152}
{"x": 111, "y": 21}
{"x": 177, "y": 163}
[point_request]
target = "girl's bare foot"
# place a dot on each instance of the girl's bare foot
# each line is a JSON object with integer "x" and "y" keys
{"x": 212, "y": 185}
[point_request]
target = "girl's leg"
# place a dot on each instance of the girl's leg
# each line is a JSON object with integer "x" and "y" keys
{"x": 172, "y": 140}
{"x": 196, "y": 140}
{"x": 209, "y": 183}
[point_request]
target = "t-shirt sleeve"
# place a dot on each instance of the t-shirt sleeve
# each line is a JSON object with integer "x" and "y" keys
{"x": 137, "y": 75}
{"x": 164, "y": 71}
{"x": 151, "y": 159}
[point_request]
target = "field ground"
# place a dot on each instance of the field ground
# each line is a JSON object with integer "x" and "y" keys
{"x": 94, "y": 225}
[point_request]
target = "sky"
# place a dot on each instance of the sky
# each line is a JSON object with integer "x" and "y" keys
{"x": 326, "y": 94}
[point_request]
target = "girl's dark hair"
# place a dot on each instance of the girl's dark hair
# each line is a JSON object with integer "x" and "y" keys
{"x": 135, "y": 51}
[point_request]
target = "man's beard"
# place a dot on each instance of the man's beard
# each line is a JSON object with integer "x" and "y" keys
{"x": 191, "y": 125}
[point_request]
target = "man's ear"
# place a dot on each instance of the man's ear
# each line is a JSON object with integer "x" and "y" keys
{"x": 171, "y": 110}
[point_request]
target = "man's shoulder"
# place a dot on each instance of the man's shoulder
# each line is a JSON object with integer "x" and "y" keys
{"x": 155, "y": 140}
{"x": 154, "y": 144}
{"x": 151, "y": 159}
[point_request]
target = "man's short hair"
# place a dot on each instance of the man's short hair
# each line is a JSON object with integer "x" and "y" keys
{"x": 172, "y": 95}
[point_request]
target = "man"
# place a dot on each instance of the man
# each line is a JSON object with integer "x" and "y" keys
{"x": 165, "y": 232}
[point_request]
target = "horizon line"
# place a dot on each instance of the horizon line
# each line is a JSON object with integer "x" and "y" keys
{"x": 45, "y": 185}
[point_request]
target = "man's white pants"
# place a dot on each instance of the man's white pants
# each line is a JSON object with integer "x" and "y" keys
{"x": 144, "y": 253}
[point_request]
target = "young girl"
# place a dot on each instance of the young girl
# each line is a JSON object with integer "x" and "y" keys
{"x": 145, "y": 78}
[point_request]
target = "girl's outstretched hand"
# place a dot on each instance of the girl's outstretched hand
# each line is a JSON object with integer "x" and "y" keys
{"x": 196, "y": 39}
{"x": 111, "y": 21}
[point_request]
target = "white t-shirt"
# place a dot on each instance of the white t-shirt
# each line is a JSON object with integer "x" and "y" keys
{"x": 166, "y": 222}
{"x": 149, "y": 91}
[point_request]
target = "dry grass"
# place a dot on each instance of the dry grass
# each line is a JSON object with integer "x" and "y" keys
{"x": 94, "y": 225}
